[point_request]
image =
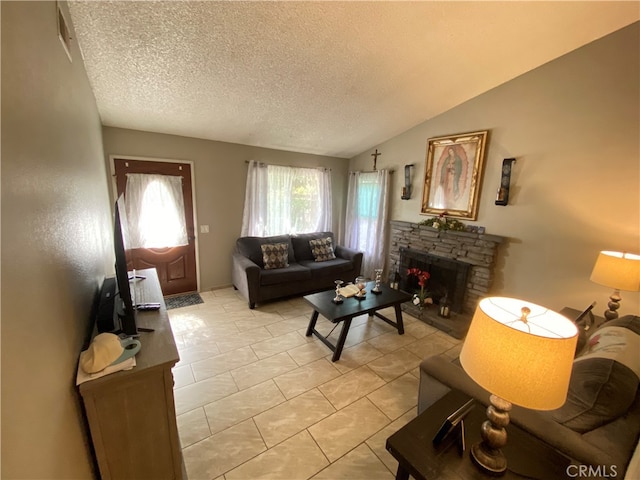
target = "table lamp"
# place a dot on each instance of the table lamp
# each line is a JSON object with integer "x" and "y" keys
{"x": 620, "y": 271}
{"x": 522, "y": 354}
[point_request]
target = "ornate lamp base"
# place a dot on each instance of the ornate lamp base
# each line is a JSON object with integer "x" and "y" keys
{"x": 488, "y": 454}
{"x": 489, "y": 461}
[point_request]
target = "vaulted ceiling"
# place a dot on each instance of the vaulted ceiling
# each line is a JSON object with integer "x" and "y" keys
{"x": 323, "y": 77}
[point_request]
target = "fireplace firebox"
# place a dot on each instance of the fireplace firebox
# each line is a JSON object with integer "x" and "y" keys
{"x": 448, "y": 277}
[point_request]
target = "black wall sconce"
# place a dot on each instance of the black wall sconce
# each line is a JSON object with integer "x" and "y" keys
{"x": 406, "y": 190}
{"x": 502, "y": 198}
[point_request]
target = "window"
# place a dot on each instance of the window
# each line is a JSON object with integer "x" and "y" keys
{"x": 155, "y": 210}
{"x": 281, "y": 200}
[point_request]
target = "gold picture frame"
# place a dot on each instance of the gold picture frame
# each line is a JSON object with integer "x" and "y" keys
{"x": 453, "y": 175}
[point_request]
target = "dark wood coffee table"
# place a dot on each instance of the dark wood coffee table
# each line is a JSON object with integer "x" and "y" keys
{"x": 322, "y": 303}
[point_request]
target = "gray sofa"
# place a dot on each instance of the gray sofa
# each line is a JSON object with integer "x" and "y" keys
{"x": 302, "y": 273}
{"x": 599, "y": 424}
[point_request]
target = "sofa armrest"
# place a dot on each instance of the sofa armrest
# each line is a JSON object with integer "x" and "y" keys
{"x": 351, "y": 255}
{"x": 438, "y": 375}
{"x": 571, "y": 443}
{"x": 245, "y": 276}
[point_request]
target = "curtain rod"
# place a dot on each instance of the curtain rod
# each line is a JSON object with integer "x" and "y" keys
{"x": 371, "y": 171}
{"x": 291, "y": 166}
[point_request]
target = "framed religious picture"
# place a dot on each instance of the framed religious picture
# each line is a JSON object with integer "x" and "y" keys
{"x": 453, "y": 175}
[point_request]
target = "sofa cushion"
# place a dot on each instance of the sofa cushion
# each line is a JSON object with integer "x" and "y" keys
{"x": 600, "y": 391}
{"x": 330, "y": 268}
{"x": 301, "y": 245}
{"x": 322, "y": 249}
{"x": 605, "y": 377}
{"x": 275, "y": 255}
{"x": 250, "y": 247}
{"x": 293, "y": 273}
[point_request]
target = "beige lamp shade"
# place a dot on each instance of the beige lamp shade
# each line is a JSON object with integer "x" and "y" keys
{"x": 617, "y": 270}
{"x": 525, "y": 363}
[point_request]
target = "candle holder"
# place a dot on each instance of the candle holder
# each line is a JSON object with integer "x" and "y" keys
{"x": 338, "y": 298}
{"x": 395, "y": 281}
{"x": 376, "y": 289}
{"x": 361, "y": 283}
{"x": 444, "y": 310}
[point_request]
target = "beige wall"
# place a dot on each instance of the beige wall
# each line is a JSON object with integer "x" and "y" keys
{"x": 220, "y": 174}
{"x": 573, "y": 127}
{"x": 56, "y": 243}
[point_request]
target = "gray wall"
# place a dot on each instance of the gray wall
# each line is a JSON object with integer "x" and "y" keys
{"x": 56, "y": 243}
{"x": 573, "y": 127}
{"x": 220, "y": 178}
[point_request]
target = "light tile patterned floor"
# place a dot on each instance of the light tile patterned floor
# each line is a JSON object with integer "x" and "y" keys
{"x": 256, "y": 398}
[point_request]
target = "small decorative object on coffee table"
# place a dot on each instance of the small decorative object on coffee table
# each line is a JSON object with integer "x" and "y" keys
{"x": 361, "y": 283}
{"x": 376, "y": 289}
{"x": 338, "y": 298}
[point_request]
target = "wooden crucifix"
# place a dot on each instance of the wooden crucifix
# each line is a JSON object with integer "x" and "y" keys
{"x": 375, "y": 158}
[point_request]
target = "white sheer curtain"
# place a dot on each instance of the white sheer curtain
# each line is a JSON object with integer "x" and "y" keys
{"x": 155, "y": 210}
{"x": 366, "y": 218}
{"x": 254, "y": 217}
{"x": 278, "y": 206}
{"x": 281, "y": 200}
{"x": 325, "y": 200}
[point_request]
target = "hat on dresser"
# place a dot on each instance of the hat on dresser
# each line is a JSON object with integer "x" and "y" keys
{"x": 107, "y": 349}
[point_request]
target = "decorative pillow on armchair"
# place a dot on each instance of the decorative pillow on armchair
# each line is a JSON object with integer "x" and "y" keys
{"x": 275, "y": 255}
{"x": 322, "y": 249}
{"x": 605, "y": 377}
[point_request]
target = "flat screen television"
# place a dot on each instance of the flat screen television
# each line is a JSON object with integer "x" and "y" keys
{"x": 116, "y": 312}
{"x": 124, "y": 306}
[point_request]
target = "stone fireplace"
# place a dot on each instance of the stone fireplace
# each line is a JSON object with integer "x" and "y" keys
{"x": 460, "y": 264}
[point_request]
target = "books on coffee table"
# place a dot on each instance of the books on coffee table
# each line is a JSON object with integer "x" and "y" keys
{"x": 349, "y": 291}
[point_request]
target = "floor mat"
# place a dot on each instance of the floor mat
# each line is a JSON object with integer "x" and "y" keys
{"x": 185, "y": 300}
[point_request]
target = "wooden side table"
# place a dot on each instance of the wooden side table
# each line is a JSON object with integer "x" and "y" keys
{"x": 412, "y": 446}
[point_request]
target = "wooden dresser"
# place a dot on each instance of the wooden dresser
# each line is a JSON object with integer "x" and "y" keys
{"x": 131, "y": 414}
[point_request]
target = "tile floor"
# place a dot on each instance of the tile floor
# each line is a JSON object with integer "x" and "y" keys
{"x": 256, "y": 398}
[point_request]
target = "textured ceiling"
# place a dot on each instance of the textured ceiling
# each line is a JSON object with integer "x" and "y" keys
{"x": 331, "y": 78}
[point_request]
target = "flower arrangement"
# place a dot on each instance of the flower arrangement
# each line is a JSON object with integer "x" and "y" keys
{"x": 441, "y": 222}
{"x": 423, "y": 298}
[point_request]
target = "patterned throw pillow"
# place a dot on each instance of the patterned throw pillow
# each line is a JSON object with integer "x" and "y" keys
{"x": 275, "y": 255}
{"x": 322, "y": 249}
